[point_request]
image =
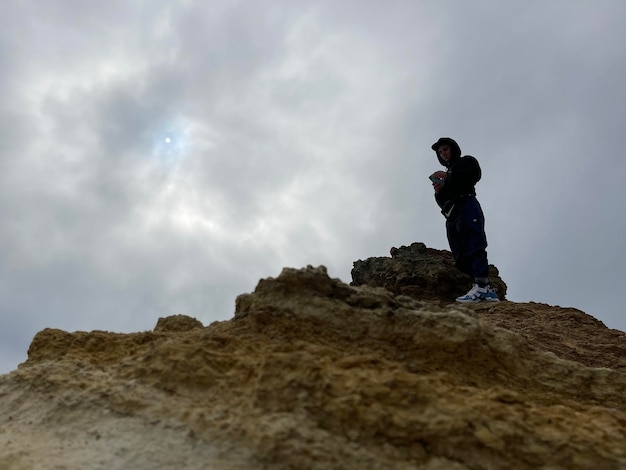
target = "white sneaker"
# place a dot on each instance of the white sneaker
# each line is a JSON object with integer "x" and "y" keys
{"x": 479, "y": 294}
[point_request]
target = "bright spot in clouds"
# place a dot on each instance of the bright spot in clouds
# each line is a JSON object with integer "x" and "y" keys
{"x": 170, "y": 140}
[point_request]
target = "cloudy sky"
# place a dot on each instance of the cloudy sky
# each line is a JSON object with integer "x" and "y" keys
{"x": 160, "y": 157}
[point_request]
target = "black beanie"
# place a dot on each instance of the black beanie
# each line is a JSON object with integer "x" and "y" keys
{"x": 456, "y": 150}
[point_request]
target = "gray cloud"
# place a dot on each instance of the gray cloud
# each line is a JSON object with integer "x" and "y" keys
{"x": 298, "y": 133}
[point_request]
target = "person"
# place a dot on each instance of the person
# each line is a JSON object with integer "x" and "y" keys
{"x": 455, "y": 194}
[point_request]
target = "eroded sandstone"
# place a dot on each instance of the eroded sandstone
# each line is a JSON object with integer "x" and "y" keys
{"x": 314, "y": 373}
{"x": 420, "y": 272}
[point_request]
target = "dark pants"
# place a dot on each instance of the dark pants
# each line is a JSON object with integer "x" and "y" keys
{"x": 466, "y": 234}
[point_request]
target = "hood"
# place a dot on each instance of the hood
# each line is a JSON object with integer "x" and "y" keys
{"x": 456, "y": 150}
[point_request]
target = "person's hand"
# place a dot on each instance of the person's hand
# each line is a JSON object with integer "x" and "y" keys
{"x": 441, "y": 176}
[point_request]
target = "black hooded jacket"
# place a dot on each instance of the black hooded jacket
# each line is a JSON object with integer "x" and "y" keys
{"x": 463, "y": 174}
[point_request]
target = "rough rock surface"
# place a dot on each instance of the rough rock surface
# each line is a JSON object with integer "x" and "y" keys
{"x": 314, "y": 374}
{"x": 420, "y": 272}
{"x": 177, "y": 323}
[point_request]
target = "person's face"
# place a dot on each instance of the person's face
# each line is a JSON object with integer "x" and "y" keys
{"x": 445, "y": 152}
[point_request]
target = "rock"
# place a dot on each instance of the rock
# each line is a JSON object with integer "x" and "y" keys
{"x": 420, "y": 272}
{"x": 312, "y": 373}
{"x": 177, "y": 323}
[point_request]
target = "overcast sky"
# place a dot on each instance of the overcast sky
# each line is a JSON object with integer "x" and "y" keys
{"x": 160, "y": 157}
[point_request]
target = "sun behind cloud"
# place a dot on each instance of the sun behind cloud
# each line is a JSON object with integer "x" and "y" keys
{"x": 170, "y": 141}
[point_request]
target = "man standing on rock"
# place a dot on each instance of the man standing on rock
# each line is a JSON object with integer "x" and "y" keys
{"x": 465, "y": 222}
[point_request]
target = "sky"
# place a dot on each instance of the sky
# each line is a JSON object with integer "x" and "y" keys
{"x": 160, "y": 157}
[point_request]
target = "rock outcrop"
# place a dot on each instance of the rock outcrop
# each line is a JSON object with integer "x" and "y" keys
{"x": 312, "y": 373}
{"x": 420, "y": 272}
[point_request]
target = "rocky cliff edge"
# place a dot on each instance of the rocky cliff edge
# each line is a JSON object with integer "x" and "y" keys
{"x": 312, "y": 373}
